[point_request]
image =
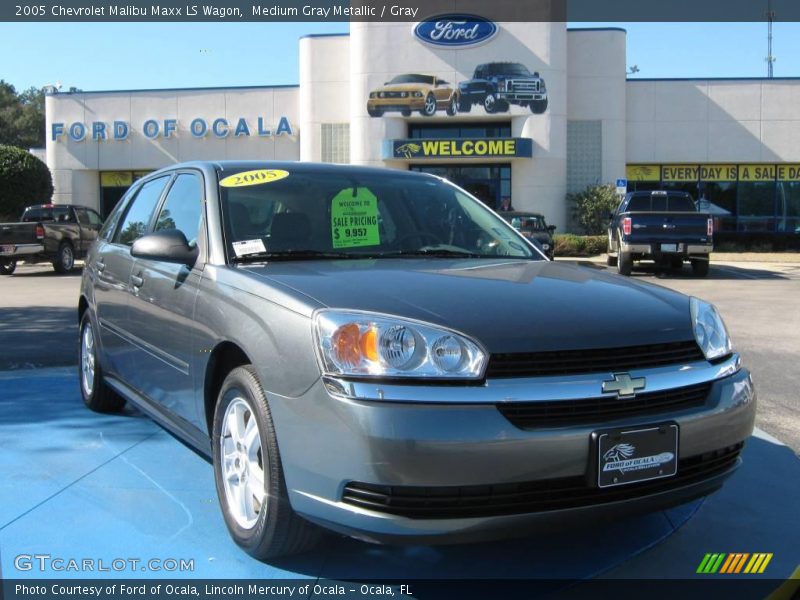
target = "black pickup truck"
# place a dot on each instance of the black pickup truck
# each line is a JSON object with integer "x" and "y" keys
{"x": 665, "y": 227}
{"x": 57, "y": 234}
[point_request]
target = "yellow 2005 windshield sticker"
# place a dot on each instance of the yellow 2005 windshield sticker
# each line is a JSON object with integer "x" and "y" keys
{"x": 354, "y": 219}
{"x": 256, "y": 177}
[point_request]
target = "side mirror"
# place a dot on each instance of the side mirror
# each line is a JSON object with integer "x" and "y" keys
{"x": 166, "y": 246}
{"x": 610, "y": 216}
{"x": 551, "y": 228}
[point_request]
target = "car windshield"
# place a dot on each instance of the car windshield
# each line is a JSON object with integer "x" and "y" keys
{"x": 514, "y": 69}
{"x": 325, "y": 215}
{"x": 408, "y": 78}
{"x": 528, "y": 223}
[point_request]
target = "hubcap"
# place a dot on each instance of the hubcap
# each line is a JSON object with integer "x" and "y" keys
{"x": 66, "y": 258}
{"x": 430, "y": 104}
{"x": 488, "y": 103}
{"x": 87, "y": 360}
{"x": 242, "y": 463}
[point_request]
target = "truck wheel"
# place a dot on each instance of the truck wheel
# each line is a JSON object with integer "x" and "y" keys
{"x": 700, "y": 267}
{"x": 538, "y": 106}
{"x": 611, "y": 261}
{"x": 96, "y": 395}
{"x": 676, "y": 263}
{"x": 624, "y": 264}
{"x": 429, "y": 108}
{"x": 65, "y": 259}
{"x": 490, "y": 103}
{"x": 452, "y": 108}
{"x": 464, "y": 105}
{"x": 249, "y": 474}
{"x": 7, "y": 266}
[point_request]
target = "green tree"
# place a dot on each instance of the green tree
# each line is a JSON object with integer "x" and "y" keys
{"x": 24, "y": 180}
{"x": 22, "y": 117}
{"x": 590, "y": 208}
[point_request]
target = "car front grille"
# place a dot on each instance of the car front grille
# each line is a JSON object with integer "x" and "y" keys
{"x": 455, "y": 502}
{"x": 556, "y": 413}
{"x": 601, "y": 360}
{"x": 393, "y": 94}
{"x": 524, "y": 86}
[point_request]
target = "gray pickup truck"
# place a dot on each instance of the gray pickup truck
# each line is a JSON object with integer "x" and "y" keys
{"x": 665, "y": 227}
{"x": 57, "y": 234}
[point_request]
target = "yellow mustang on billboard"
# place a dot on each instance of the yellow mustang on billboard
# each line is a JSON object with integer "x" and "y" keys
{"x": 410, "y": 92}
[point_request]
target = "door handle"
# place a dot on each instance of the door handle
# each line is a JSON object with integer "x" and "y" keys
{"x": 99, "y": 265}
{"x": 137, "y": 281}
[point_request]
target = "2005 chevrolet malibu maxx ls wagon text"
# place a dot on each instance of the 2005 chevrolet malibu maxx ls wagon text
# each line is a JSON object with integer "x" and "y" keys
{"x": 376, "y": 352}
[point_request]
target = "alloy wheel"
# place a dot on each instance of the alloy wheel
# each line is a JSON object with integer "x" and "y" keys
{"x": 87, "y": 360}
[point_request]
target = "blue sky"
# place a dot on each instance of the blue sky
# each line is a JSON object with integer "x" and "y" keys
{"x": 103, "y": 56}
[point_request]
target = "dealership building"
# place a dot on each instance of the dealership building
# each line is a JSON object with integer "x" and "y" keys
{"x": 525, "y": 111}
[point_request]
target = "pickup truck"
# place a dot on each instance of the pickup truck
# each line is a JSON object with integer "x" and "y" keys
{"x": 497, "y": 85}
{"x": 665, "y": 227}
{"x": 57, "y": 234}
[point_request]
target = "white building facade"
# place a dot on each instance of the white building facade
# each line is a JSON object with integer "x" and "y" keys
{"x": 519, "y": 113}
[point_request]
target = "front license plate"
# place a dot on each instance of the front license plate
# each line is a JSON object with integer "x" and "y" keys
{"x": 669, "y": 247}
{"x": 6, "y": 249}
{"x": 631, "y": 455}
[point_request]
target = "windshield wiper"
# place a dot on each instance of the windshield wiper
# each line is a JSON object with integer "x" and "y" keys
{"x": 293, "y": 255}
{"x": 434, "y": 252}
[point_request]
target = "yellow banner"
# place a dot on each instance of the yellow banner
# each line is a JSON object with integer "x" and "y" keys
{"x": 116, "y": 179}
{"x": 680, "y": 173}
{"x": 789, "y": 172}
{"x": 643, "y": 172}
{"x": 757, "y": 172}
{"x": 718, "y": 173}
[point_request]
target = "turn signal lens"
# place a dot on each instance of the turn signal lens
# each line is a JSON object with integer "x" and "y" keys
{"x": 346, "y": 347}
{"x": 710, "y": 227}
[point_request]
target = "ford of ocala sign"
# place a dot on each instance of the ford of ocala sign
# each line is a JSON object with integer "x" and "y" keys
{"x": 455, "y": 31}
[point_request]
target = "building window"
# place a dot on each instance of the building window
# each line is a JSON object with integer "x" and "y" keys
{"x": 584, "y": 154}
{"x": 335, "y": 139}
{"x": 788, "y": 206}
{"x": 493, "y": 129}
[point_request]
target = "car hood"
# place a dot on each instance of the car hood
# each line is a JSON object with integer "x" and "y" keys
{"x": 404, "y": 87}
{"x": 506, "y": 305}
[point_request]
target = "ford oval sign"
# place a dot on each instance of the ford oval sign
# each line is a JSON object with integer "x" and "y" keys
{"x": 455, "y": 31}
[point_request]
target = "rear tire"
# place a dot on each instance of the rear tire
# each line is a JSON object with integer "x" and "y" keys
{"x": 611, "y": 261}
{"x": 676, "y": 264}
{"x": 65, "y": 259}
{"x": 7, "y": 266}
{"x": 249, "y": 474}
{"x": 624, "y": 264}
{"x": 700, "y": 267}
{"x": 464, "y": 105}
{"x": 96, "y": 395}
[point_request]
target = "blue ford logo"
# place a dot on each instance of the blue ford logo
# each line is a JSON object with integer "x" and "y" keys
{"x": 454, "y": 31}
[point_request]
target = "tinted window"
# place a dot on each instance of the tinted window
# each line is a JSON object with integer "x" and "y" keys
{"x": 37, "y": 214}
{"x": 137, "y": 219}
{"x": 183, "y": 208}
{"x": 94, "y": 218}
{"x": 639, "y": 203}
{"x": 681, "y": 204}
{"x": 83, "y": 218}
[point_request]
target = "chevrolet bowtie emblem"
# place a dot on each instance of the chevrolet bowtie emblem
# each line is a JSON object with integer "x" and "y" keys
{"x": 623, "y": 385}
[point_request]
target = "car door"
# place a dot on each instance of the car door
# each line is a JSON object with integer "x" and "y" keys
{"x": 111, "y": 268}
{"x": 89, "y": 229}
{"x": 162, "y": 304}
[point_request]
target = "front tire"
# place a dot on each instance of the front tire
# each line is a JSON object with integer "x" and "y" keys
{"x": 65, "y": 259}
{"x": 490, "y": 103}
{"x": 452, "y": 108}
{"x": 429, "y": 108}
{"x": 7, "y": 266}
{"x": 700, "y": 267}
{"x": 538, "y": 106}
{"x": 249, "y": 474}
{"x": 96, "y": 395}
{"x": 624, "y": 264}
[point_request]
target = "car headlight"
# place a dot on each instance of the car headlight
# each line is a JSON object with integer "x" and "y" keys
{"x": 372, "y": 94}
{"x": 363, "y": 344}
{"x": 709, "y": 330}
{"x": 417, "y": 94}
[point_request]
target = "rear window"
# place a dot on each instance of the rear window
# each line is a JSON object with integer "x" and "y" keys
{"x": 37, "y": 214}
{"x": 639, "y": 203}
{"x": 661, "y": 203}
{"x": 681, "y": 204}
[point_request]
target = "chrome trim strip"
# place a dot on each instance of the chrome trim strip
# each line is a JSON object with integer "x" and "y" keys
{"x": 166, "y": 358}
{"x": 24, "y": 249}
{"x": 530, "y": 389}
{"x": 639, "y": 248}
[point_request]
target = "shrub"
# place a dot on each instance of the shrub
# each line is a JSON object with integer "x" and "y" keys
{"x": 590, "y": 207}
{"x": 24, "y": 180}
{"x": 568, "y": 244}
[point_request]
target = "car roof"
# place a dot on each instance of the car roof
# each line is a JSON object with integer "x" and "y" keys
{"x": 297, "y": 167}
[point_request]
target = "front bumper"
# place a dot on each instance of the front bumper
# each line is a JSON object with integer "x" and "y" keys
{"x": 389, "y": 435}
{"x": 396, "y": 104}
{"x": 519, "y": 97}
